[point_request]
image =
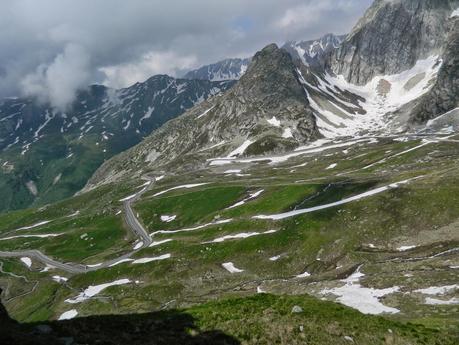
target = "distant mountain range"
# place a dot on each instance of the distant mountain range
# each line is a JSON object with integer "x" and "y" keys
{"x": 312, "y": 52}
{"x": 228, "y": 69}
{"x": 46, "y": 155}
{"x": 309, "y": 52}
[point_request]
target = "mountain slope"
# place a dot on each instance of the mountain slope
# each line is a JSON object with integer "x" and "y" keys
{"x": 309, "y": 52}
{"x": 265, "y": 112}
{"x": 312, "y": 52}
{"x": 236, "y": 197}
{"x": 231, "y": 322}
{"x": 47, "y": 155}
{"x": 385, "y": 78}
{"x": 391, "y": 37}
{"x": 228, "y": 69}
{"x": 444, "y": 95}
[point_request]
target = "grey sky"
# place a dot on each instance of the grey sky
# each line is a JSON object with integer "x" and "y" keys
{"x": 49, "y": 48}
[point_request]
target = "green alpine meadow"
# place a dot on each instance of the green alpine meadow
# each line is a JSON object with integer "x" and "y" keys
{"x": 302, "y": 193}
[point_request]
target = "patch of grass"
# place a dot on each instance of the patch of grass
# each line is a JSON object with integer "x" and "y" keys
{"x": 267, "y": 319}
{"x": 190, "y": 207}
{"x": 84, "y": 237}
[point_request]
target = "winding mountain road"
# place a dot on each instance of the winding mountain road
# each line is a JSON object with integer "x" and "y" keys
{"x": 132, "y": 222}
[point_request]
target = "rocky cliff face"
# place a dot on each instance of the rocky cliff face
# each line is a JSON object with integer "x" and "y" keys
{"x": 444, "y": 95}
{"x": 313, "y": 52}
{"x": 391, "y": 37}
{"x": 266, "y": 111}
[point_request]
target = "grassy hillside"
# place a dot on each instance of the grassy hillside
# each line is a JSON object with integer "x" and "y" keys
{"x": 376, "y": 232}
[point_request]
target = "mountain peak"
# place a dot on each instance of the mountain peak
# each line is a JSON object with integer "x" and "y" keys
{"x": 312, "y": 52}
{"x": 266, "y": 112}
{"x": 272, "y": 73}
{"x": 272, "y": 47}
{"x": 228, "y": 69}
{"x": 270, "y": 56}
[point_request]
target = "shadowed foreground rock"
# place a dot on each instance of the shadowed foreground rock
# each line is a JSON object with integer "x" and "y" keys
{"x": 167, "y": 327}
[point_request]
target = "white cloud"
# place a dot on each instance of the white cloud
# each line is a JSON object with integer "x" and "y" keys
{"x": 308, "y": 14}
{"x": 302, "y": 15}
{"x": 58, "y": 82}
{"x": 128, "y": 41}
{"x": 149, "y": 64}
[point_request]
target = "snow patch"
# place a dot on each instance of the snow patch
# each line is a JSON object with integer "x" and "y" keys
{"x": 59, "y": 279}
{"x": 437, "y": 290}
{"x": 241, "y": 149}
{"x": 229, "y": 266}
{"x": 436, "y": 301}
{"x": 240, "y": 235}
{"x": 147, "y": 115}
{"x": 369, "y": 193}
{"x": 304, "y": 275}
{"x": 68, "y": 315}
{"x": 30, "y": 236}
{"x": 187, "y": 186}
{"x": 316, "y": 147}
{"x": 159, "y": 178}
{"x": 223, "y": 221}
{"x": 138, "y": 245}
{"x": 93, "y": 290}
{"x": 205, "y": 113}
{"x": 128, "y": 197}
{"x": 364, "y": 299}
{"x": 250, "y": 197}
{"x": 405, "y": 248}
{"x": 287, "y": 133}
{"x": 157, "y": 243}
{"x": 27, "y": 261}
{"x": 33, "y": 225}
{"x": 274, "y": 122}
{"x": 146, "y": 260}
{"x": 260, "y": 290}
{"x": 168, "y": 219}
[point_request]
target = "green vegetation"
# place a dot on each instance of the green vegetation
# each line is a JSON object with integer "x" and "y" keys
{"x": 267, "y": 319}
{"x": 189, "y": 207}
{"x": 328, "y": 244}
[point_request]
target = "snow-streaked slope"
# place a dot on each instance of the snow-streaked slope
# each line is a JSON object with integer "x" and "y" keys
{"x": 311, "y": 52}
{"x": 381, "y": 96}
{"x": 228, "y": 69}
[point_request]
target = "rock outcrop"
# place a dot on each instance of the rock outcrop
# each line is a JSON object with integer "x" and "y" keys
{"x": 267, "y": 109}
{"x": 391, "y": 37}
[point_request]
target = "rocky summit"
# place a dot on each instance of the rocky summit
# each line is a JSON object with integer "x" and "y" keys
{"x": 266, "y": 112}
{"x": 311, "y": 198}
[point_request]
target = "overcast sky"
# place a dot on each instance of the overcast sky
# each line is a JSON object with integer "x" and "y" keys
{"x": 50, "y": 48}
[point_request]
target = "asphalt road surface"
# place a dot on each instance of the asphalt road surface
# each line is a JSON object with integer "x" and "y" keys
{"x": 132, "y": 222}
